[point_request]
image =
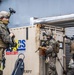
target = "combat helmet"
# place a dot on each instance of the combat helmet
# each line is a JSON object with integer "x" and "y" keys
{"x": 5, "y": 14}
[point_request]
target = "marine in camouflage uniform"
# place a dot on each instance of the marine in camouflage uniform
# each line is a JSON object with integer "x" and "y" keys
{"x": 5, "y": 38}
{"x": 51, "y": 53}
{"x": 71, "y": 66}
{"x": 71, "y": 63}
{"x": 51, "y": 48}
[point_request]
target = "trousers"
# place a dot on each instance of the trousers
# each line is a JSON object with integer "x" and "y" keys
{"x": 1, "y": 60}
{"x": 71, "y": 72}
{"x": 2, "y": 53}
{"x": 52, "y": 66}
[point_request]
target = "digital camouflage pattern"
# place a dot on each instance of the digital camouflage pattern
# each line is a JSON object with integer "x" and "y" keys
{"x": 5, "y": 39}
{"x": 50, "y": 48}
{"x": 50, "y": 52}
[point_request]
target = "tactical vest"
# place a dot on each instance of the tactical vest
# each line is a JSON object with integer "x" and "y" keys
{"x": 55, "y": 45}
{"x": 2, "y": 44}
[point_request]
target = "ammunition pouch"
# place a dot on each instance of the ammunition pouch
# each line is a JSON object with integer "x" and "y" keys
{"x": 52, "y": 66}
{"x": 14, "y": 44}
{"x": 56, "y": 47}
{"x": 54, "y": 55}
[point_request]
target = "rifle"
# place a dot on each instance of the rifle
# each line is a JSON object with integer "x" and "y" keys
{"x": 12, "y": 11}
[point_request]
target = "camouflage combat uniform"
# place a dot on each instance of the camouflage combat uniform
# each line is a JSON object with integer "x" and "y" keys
{"x": 52, "y": 58}
{"x": 5, "y": 40}
{"x": 71, "y": 66}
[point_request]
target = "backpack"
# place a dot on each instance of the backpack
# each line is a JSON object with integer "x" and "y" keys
{"x": 56, "y": 47}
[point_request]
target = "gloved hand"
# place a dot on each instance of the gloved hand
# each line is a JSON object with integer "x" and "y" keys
{"x": 42, "y": 48}
{"x": 11, "y": 34}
